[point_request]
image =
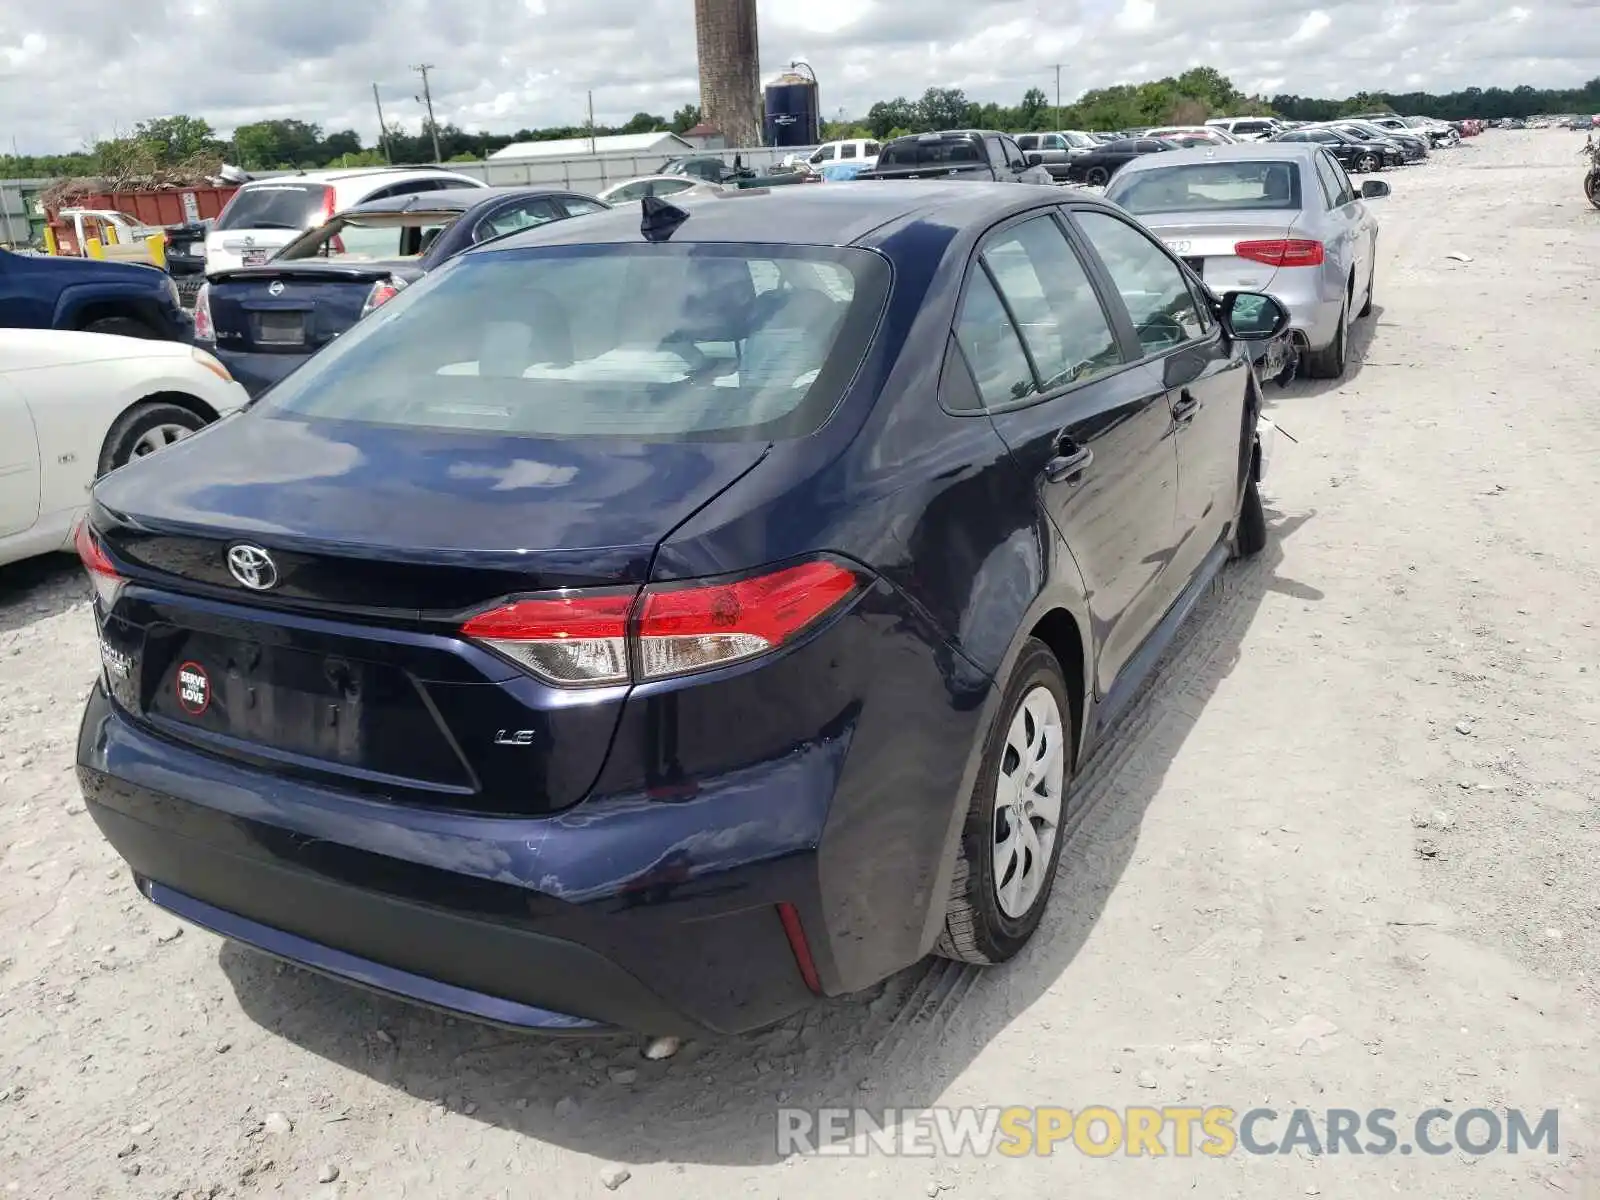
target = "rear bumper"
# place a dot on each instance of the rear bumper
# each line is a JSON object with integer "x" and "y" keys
{"x": 257, "y": 372}
{"x": 546, "y": 924}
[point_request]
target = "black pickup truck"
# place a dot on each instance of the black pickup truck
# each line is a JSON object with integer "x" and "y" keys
{"x": 963, "y": 153}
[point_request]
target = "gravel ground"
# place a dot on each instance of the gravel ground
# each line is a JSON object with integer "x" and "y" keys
{"x": 1344, "y": 854}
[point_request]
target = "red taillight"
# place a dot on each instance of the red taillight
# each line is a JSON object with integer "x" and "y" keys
{"x": 1282, "y": 252}
{"x": 693, "y": 627}
{"x": 569, "y": 640}
{"x": 382, "y": 292}
{"x": 677, "y": 629}
{"x": 204, "y": 330}
{"x": 102, "y": 574}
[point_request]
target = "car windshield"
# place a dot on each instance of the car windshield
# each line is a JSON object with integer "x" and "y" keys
{"x": 1208, "y": 187}
{"x": 371, "y": 237}
{"x": 274, "y": 206}
{"x": 637, "y": 341}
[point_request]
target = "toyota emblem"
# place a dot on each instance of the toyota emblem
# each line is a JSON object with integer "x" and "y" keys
{"x": 276, "y": 288}
{"x": 252, "y": 567}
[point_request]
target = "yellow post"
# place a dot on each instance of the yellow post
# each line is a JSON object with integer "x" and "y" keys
{"x": 93, "y": 248}
{"x": 158, "y": 249}
{"x": 112, "y": 237}
{"x": 50, "y": 246}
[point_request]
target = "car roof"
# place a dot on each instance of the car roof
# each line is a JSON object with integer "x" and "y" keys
{"x": 339, "y": 175}
{"x": 450, "y": 199}
{"x": 1244, "y": 152}
{"x": 859, "y": 213}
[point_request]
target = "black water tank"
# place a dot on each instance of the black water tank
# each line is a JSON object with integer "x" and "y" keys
{"x": 792, "y": 117}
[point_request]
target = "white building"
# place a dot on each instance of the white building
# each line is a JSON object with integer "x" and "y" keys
{"x": 621, "y": 145}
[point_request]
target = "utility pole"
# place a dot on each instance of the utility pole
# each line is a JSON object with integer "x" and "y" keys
{"x": 383, "y": 130}
{"x": 1057, "y": 68}
{"x": 427, "y": 98}
{"x": 591, "y": 123}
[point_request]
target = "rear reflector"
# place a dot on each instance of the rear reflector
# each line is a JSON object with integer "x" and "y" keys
{"x": 382, "y": 292}
{"x": 589, "y": 640}
{"x": 799, "y": 947}
{"x": 575, "y": 639}
{"x": 102, "y": 574}
{"x": 694, "y": 627}
{"x": 1282, "y": 252}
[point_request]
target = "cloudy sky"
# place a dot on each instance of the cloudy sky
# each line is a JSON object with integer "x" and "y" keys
{"x": 74, "y": 70}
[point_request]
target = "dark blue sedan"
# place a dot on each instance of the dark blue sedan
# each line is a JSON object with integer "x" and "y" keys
{"x": 661, "y": 623}
{"x": 264, "y": 321}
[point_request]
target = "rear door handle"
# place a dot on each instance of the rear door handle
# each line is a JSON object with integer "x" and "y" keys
{"x": 1071, "y": 460}
{"x": 1184, "y": 409}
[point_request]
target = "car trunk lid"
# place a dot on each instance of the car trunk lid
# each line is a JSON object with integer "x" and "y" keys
{"x": 1208, "y": 243}
{"x": 293, "y": 307}
{"x": 345, "y": 661}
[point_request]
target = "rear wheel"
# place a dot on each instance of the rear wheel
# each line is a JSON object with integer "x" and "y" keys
{"x": 1372, "y": 280}
{"x": 1097, "y": 177}
{"x": 1011, "y": 841}
{"x": 144, "y": 429}
{"x": 122, "y": 327}
{"x": 1591, "y": 187}
{"x": 1367, "y": 164}
{"x": 1329, "y": 362}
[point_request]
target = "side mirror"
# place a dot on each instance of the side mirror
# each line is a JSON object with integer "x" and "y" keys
{"x": 1034, "y": 158}
{"x": 1253, "y": 316}
{"x": 1374, "y": 189}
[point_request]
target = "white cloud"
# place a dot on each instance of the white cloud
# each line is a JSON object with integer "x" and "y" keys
{"x": 67, "y": 74}
{"x": 1313, "y": 26}
{"x": 1136, "y": 16}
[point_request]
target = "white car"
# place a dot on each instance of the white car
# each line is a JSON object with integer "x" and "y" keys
{"x": 265, "y": 215}
{"x": 861, "y": 150}
{"x": 74, "y": 406}
{"x": 657, "y": 185}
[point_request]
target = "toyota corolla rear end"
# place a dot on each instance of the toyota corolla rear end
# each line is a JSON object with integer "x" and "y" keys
{"x": 1242, "y": 224}
{"x": 396, "y": 685}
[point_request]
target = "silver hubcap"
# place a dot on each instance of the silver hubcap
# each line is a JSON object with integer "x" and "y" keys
{"x": 1027, "y": 802}
{"x": 159, "y": 438}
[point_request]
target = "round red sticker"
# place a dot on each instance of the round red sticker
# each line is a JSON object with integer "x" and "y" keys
{"x": 194, "y": 688}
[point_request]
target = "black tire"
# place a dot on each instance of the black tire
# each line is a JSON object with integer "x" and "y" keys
{"x": 1372, "y": 281}
{"x": 1097, "y": 177}
{"x": 132, "y": 426}
{"x": 1591, "y": 187}
{"x": 122, "y": 327}
{"x": 1329, "y": 362}
{"x": 1367, "y": 164}
{"x": 976, "y": 929}
{"x": 1250, "y": 531}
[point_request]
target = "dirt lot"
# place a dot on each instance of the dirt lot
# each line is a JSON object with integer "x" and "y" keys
{"x": 1345, "y": 855}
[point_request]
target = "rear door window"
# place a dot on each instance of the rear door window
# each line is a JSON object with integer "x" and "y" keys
{"x": 1056, "y": 308}
{"x": 577, "y": 206}
{"x": 523, "y": 214}
{"x": 848, "y": 150}
{"x": 991, "y": 345}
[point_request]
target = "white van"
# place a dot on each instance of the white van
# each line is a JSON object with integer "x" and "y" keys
{"x": 1247, "y": 129}
{"x": 265, "y": 215}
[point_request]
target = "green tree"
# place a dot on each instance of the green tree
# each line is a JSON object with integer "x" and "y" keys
{"x": 173, "y": 140}
{"x": 886, "y": 116}
{"x": 686, "y": 118}
{"x": 265, "y": 145}
{"x": 942, "y": 108}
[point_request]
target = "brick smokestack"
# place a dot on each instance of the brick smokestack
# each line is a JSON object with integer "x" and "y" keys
{"x": 730, "y": 68}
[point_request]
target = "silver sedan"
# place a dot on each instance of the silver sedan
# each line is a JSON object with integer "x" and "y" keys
{"x": 1275, "y": 217}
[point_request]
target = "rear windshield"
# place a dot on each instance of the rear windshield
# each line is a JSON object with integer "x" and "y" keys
{"x": 637, "y": 341}
{"x": 375, "y": 237}
{"x": 274, "y": 206}
{"x": 1208, "y": 187}
{"x": 913, "y": 152}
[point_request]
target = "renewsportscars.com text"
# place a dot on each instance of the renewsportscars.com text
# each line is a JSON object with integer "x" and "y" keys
{"x": 1216, "y": 1131}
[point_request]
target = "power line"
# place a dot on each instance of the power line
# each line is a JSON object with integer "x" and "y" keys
{"x": 427, "y": 98}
